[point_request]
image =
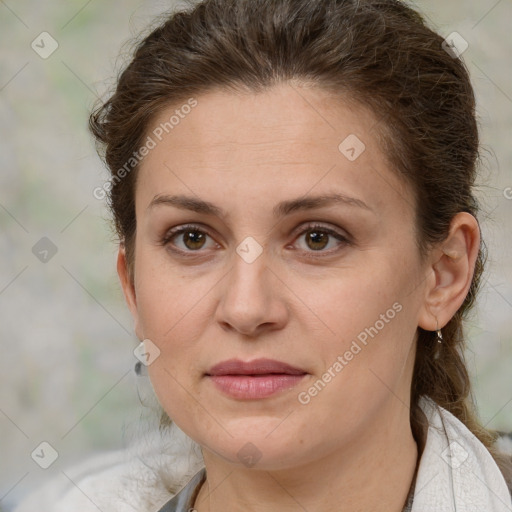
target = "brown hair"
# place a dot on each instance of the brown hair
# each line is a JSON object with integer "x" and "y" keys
{"x": 379, "y": 53}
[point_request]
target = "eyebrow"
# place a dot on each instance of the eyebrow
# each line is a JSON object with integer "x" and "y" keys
{"x": 280, "y": 210}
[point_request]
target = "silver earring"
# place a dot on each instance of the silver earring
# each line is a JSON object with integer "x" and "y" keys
{"x": 439, "y": 334}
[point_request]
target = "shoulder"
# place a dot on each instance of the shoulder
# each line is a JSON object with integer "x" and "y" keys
{"x": 499, "y": 455}
{"x": 87, "y": 488}
{"x": 140, "y": 479}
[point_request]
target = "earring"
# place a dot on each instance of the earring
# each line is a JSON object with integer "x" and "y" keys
{"x": 139, "y": 367}
{"x": 439, "y": 334}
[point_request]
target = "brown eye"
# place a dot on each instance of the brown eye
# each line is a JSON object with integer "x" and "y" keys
{"x": 186, "y": 239}
{"x": 193, "y": 239}
{"x": 317, "y": 240}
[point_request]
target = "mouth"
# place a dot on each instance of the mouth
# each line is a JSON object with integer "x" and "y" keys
{"x": 255, "y": 379}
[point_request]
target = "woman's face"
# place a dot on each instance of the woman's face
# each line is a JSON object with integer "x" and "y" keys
{"x": 268, "y": 267}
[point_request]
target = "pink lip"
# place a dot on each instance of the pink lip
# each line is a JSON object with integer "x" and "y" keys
{"x": 255, "y": 367}
{"x": 255, "y": 379}
{"x": 255, "y": 386}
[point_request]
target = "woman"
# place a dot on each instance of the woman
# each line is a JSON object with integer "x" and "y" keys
{"x": 292, "y": 189}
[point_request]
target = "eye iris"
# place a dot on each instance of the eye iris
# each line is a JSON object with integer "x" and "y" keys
{"x": 194, "y": 237}
{"x": 318, "y": 237}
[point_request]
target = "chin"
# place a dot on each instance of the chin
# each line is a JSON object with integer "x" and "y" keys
{"x": 270, "y": 449}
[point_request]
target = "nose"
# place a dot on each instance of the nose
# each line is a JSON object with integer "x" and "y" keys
{"x": 252, "y": 298}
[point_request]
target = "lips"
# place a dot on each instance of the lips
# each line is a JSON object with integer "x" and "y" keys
{"x": 254, "y": 380}
{"x": 256, "y": 367}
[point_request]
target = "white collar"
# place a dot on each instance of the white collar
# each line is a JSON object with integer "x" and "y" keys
{"x": 456, "y": 471}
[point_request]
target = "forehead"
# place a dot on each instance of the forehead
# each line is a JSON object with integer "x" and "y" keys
{"x": 283, "y": 142}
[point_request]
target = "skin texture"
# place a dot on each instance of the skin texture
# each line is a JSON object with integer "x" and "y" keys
{"x": 303, "y": 300}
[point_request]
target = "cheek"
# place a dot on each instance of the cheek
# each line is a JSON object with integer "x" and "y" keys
{"x": 168, "y": 302}
{"x": 369, "y": 319}
{"x": 171, "y": 315}
{"x": 364, "y": 355}
{"x": 355, "y": 298}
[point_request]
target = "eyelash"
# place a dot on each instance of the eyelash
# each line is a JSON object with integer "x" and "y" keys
{"x": 170, "y": 235}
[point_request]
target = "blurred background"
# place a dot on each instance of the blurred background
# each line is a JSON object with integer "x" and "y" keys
{"x": 67, "y": 374}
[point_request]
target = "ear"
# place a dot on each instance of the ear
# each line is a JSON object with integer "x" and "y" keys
{"x": 127, "y": 283}
{"x": 452, "y": 266}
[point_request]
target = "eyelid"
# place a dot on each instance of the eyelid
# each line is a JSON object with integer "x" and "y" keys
{"x": 322, "y": 227}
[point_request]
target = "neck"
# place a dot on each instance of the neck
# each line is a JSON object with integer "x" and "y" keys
{"x": 373, "y": 472}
